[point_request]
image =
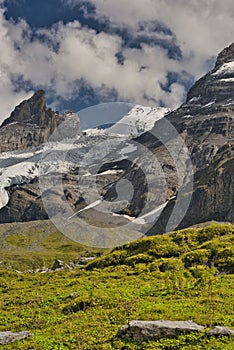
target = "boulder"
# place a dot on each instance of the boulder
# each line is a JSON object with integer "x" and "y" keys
{"x": 9, "y": 337}
{"x": 152, "y": 330}
{"x": 58, "y": 265}
{"x": 219, "y": 331}
{"x": 84, "y": 260}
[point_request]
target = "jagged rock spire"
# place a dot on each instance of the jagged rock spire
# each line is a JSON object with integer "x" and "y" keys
{"x": 32, "y": 123}
{"x": 29, "y": 111}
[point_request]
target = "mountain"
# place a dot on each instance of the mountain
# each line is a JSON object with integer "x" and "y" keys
{"x": 175, "y": 167}
{"x": 139, "y": 120}
{"x": 205, "y": 124}
{"x": 30, "y": 124}
{"x": 19, "y": 159}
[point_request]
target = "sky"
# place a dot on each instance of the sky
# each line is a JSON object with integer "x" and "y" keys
{"x": 83, "y": 53}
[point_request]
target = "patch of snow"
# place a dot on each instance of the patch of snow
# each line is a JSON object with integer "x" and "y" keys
{"x": 90, "y": 206}
{"x": 13, "y": 123}
{"x": 228, "y": 80}
{"x": 208, "y": 104}
{"x": 110, "y": 172}
{"x": 152, "y": 215}
{"x": 229, "y": 103}
{"x": 226, "y": 68}
{"x": 130, "y": 218}
{"x": 15, "y": 175}
{"x": 195, "y": 99}
{"x": 187, "y": 116}
{"x": 126, "y": 150}
{"x": 94, "y": 132}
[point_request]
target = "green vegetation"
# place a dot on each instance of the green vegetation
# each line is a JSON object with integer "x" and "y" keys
{"x": 185, "y": 275}
{"x": 37, "y": 244}
{"x": 209, "y": 246}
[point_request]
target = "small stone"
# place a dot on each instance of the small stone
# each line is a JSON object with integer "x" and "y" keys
{"x": 74, "y": 294}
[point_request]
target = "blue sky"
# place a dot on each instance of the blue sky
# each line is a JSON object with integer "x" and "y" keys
{"x": 83, "y": 53}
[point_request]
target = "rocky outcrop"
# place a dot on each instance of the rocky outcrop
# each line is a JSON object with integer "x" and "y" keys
{"x": 220, "y": 331}
{"x": 216, "y": 86}
{"x": 59, "y": 265}
{"x": 153, "y": 330}
{"x": 225, "y": 56}
{"x": 30, "y": 124}
{"x": 9, "y": 337}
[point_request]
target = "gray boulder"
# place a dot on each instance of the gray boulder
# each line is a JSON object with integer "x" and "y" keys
{"x": 58, "y": 264}
{"x": 84, "y": 260}
{"x": 219, "y": 330}
{"x": 9, "y": 337}
{"x": 152, "y": 330}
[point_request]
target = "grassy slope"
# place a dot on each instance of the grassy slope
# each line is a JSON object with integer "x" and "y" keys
{"x": 35, "y": 244}
{"x": 163, "y": 277}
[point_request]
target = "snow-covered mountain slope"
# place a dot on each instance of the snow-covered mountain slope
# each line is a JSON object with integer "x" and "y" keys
{"x": 19, "y": 167}
{"x": 139, "y": 120}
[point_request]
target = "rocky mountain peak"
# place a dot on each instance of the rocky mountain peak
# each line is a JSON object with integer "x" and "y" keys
{"x": 31, "y": 111}
{"x": 225, "y": 56}
{"x": 216, "y": 88}
{"x": 31, "y": 124}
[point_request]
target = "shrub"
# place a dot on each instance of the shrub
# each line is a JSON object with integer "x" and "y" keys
{"x": 138, "y": 258}
{"x": 171, "y": 264}
{"x": 196, "y": 257}
{"x": 209, "y": 232}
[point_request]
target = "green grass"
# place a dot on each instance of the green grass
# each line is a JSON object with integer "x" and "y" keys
{"x": 36, "y": 244}
{"x": 144, "y": 284}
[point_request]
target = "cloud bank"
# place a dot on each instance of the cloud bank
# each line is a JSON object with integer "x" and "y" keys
{"x": 65, "y": 57}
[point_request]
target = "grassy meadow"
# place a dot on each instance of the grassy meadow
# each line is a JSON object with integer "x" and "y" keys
{"x": 184, "y": 275}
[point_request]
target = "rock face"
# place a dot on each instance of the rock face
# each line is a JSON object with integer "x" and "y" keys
{"x": 206, "y": 124}
{"x": 9, "y": 337}
{"x": 225, "y": 56}
{"x": 29, "y": 125}
{"x": 152, "y": 330}
{"x": 213, "y": 194}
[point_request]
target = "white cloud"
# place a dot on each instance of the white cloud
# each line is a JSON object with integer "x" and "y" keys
{"x": 202, "y": 29}
{"x": 83, "y": 54}
{"x": 8, "y": 66}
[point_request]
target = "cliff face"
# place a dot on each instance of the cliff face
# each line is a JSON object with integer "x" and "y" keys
{"x": 206, "y": 122}
{"x": 213, "y": 194}
{"x": 29, "y": 125}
